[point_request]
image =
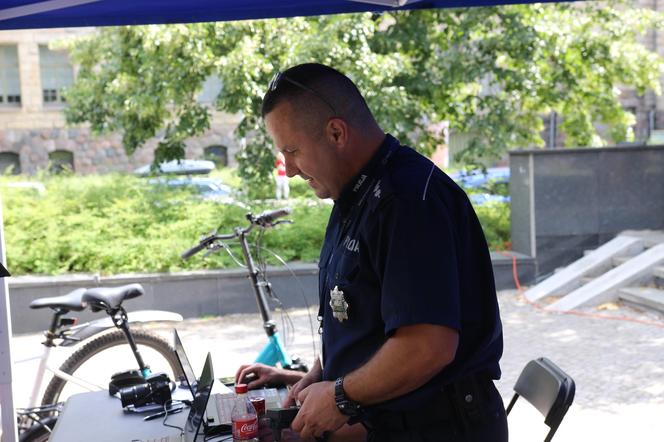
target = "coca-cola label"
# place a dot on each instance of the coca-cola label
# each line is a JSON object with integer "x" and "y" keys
{"x": 244, "y": 429}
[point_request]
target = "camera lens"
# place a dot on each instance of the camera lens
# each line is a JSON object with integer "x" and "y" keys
{"x": 151, "y": 392}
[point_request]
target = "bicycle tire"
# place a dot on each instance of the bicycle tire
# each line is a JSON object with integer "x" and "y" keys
{"x": 101, "y": 343}
{"x": 37, "y": 432}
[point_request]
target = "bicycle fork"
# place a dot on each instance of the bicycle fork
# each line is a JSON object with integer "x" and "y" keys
{"x": 274, "y": 352}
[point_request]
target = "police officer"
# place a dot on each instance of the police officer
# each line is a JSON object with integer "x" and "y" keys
{"x": 411, "y": 328}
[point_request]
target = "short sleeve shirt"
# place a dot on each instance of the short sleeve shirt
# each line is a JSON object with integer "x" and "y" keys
{"x": 403, "y": 245}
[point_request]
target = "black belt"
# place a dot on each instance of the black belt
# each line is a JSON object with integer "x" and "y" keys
{"x": 461, "y": 402}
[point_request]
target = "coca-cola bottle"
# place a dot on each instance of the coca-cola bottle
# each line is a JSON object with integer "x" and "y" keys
{"x": 244, "y": 417}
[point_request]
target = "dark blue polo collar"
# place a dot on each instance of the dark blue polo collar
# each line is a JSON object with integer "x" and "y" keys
{"x": 356, "y": 189}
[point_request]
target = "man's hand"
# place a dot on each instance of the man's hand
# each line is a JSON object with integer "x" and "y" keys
{"x": 259, "y": 374}
{"x": 314, "y": 375}
{"x": 319, "y": 412}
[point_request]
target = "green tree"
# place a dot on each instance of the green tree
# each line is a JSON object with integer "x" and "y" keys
{"x": 490, "y": 72}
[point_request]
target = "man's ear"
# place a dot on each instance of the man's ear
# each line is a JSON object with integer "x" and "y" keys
{"x": 337, "y": 132}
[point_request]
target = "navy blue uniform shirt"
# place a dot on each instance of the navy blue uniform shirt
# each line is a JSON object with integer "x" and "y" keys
{"x": 405, "y": 247}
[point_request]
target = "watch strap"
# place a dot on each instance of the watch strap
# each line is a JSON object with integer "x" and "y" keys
{"x": 345, "y": 405}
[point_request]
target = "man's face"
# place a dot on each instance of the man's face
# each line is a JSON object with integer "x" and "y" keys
{"x": 309, "y": 155}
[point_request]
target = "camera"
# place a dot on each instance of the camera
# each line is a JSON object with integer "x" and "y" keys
{"x": 155, "y": 390}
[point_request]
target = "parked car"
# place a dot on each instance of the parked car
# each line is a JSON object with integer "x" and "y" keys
{"x": 211, "y": 189}
{"x": 485, "y": 187}
{"x": 179, "y": 167}
{"x": 30, "y": 186}
{"x": 476, "y": 178}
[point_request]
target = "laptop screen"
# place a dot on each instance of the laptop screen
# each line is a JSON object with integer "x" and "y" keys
{"x": 189, "y": 375}
{"x": 201, "y": 396}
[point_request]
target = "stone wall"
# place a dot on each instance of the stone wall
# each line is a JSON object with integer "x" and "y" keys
{"x": 101, "y": 154}
{"x": 566, "y": 201}
{"x": 34, "y": 129}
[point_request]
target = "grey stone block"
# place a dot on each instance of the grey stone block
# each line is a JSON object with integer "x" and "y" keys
{"x": 566, "y": 199}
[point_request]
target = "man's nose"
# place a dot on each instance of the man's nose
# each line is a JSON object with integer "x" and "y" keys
{"x": 291, "y": 168}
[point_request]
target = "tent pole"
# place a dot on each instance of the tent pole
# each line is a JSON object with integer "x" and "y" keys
{"x": 9, "y": 433}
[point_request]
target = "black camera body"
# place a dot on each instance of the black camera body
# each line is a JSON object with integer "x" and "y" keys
{"x": 155, "y": 390}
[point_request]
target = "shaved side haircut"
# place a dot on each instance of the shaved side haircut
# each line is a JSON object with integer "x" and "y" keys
{"x": 317, "y": 93}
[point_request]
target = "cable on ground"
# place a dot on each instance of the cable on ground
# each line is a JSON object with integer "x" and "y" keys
{"x": 540, "y": 307}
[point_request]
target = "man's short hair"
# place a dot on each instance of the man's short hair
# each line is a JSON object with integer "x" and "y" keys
{"x": 321, "y": 87}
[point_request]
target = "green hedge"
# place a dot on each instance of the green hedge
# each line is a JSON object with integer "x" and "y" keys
{"x": 114, "y": 224}
{"x": 117, "y": 223}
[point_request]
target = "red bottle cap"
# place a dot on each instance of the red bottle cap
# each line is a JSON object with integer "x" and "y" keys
{"x": 241, "y": 388}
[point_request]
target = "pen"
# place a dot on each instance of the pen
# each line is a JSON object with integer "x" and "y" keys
{"x": 162, "y": 413}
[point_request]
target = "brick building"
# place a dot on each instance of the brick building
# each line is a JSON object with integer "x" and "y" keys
{"x": 33, "y": 133}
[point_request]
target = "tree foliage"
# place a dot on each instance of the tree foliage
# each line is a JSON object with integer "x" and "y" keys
{"x": 490, "y": 72}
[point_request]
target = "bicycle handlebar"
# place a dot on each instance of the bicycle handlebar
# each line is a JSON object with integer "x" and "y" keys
{"x": 264, "y": 220}
{"x": 194, "y": 250}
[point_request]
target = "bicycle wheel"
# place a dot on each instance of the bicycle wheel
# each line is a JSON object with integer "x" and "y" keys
{"x": 156, "y": 352}
{"x": 39, "y": 432}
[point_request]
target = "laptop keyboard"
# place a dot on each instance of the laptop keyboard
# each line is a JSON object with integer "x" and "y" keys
{"x": 225, "y": 403}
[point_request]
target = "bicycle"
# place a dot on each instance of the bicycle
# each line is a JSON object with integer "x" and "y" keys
{"x": 35, "y": 422}
{"x": 274, "y": 351}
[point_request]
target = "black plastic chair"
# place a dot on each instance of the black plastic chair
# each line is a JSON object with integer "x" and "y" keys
{"x": 547, "y": 388}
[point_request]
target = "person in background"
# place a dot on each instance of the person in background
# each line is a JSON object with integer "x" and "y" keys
{"x": 280, "y": 177}
{"x": 411, "y": 331}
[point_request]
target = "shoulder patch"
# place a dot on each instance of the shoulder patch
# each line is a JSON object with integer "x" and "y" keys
{"x": 376, "y": 190}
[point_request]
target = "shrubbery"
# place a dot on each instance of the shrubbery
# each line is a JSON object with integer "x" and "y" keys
{"x": 119, "y": 223}
{"x": 495, "y": 219}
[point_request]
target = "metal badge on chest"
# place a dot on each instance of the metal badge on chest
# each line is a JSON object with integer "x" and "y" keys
{"x": 338, "y": 304}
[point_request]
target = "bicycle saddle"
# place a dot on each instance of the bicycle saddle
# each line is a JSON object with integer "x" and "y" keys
{"x": 101, "y": 298}
{"x": 70, "y": 301}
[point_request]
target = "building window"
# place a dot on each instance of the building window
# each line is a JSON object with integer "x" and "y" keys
{"x": 10, "y": 81}
{"x": 10, "y": 164}
{"x": 218, "y": 154}
{"x": 56, "y": 74}
{"x": 61, "y": 161}
{"x": 210, "y": 89}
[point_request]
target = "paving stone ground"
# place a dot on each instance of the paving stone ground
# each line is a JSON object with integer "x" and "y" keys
{"x": 618, "y": 364}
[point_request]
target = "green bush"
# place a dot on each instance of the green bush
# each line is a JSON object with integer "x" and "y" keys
{"x": 119, "y": 223}
{"x": 495, "y": 220}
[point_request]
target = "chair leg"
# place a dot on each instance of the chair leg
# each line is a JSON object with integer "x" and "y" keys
{"x": 551, "y": 433}
{"x": 509, "y": 407}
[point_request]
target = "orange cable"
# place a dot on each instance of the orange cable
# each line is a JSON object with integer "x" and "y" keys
{"x": 571, "y": 312}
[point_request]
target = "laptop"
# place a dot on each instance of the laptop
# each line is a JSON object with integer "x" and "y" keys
{"x": 196, "y": 416}
{"x": 199, "y": 405}
{"x": 221, "y": 406}
{"x": 185, "y": 366}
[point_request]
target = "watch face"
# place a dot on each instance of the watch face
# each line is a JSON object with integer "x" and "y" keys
{"x": 348, "y": 408}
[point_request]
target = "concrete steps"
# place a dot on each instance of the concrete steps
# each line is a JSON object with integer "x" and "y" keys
{"x": 658, "y": 274}
{"x": 619, "y": 269}
{"x": 620, "y": 260}
{"x": 605, "y": 287}
{"x": 647, "y": 297}
{"x": 596, "y": 262}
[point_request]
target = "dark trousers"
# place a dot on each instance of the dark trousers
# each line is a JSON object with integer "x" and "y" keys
{"x": 468, "y": 411}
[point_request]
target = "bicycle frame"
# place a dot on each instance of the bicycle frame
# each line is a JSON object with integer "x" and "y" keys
{"x": 274, "y": 351}
{"x": 41, "y": 372}
{"x": 75, "y": 335}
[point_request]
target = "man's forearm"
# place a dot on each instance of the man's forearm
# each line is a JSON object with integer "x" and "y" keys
{"x": 410, "y": 358}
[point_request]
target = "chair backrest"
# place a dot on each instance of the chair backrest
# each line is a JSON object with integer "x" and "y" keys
{"x": 547, "y": 388}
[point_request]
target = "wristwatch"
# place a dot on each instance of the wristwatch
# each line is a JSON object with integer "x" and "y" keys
{"x": 345, "y": 405}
